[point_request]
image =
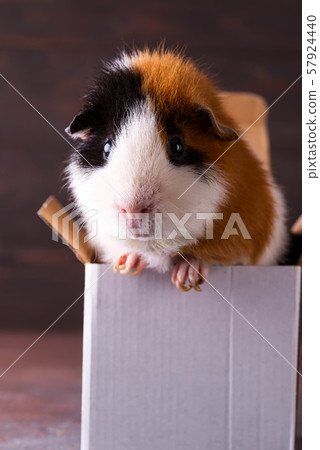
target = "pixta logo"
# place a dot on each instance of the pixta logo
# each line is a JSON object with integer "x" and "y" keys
{"x": 147, "y": 225}
{"x": 70, "y": 225}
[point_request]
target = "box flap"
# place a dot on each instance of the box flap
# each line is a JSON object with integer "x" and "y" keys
{"x": 61, "y": 222}
{"x": 246, "y": 108}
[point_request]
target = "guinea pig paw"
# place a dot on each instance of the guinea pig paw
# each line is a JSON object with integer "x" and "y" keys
{"x": 193, "y": 273}
{"x": 128, "y": 262}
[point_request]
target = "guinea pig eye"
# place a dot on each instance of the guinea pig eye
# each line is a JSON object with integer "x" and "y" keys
{"x": 107, "y": 148}
{"x": 176, "y": 147}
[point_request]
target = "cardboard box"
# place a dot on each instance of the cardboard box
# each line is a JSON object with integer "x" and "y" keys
{"x": 166, "y": 370}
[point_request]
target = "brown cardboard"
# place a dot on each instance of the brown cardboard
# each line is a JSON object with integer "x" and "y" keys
{"x": 297, "y": 226}
{"x": 246, "y": 108}
{"x": 55, "y": 215}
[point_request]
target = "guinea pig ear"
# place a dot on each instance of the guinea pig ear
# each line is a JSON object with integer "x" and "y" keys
{"x": 208, "y": 120}
{"x": 80, "y": 126}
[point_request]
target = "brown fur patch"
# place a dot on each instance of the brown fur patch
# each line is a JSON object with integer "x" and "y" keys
{"x": 173, "y": 82}
{"x": 174, "y": 85}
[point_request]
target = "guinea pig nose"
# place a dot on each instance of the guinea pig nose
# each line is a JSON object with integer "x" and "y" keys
{"x": 145, "y": 210}
{"x": 136, "y": 209}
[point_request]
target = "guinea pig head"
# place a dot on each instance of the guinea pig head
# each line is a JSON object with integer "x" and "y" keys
{"x": 142, "y": 144}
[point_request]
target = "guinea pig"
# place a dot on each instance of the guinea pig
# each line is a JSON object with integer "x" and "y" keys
{"x": 160, "y": 161}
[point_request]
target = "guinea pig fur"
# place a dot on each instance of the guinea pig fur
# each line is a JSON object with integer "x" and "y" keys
{"x": 151, "y": 141}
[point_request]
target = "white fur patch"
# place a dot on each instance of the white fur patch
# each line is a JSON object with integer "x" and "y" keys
{"x": 123, "y": 62}
{"x": 279, "y": 236}
{"x": 138, "y": 171}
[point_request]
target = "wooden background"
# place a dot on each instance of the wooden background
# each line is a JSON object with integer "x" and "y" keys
{"x": 49, "y": 49}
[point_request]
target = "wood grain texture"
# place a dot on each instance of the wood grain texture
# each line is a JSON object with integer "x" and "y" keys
{"x": 48, "y": 50}
{"x": 40, "y": 396}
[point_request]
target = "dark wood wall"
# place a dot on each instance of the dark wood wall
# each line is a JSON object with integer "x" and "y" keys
{"x": 50, "y": 48}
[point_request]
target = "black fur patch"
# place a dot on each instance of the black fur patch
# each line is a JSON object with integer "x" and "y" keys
{"x": 191, "y": 157}
{"x": 116, "y": 90}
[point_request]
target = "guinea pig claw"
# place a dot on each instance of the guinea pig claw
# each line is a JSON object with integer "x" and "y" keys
{"x": 116, "y": 268}
{"x": 123, "y": 269}
{"x": 184, "y": 288}
{"x": 196, "y": 287}
{"x": 120, "y": 263}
